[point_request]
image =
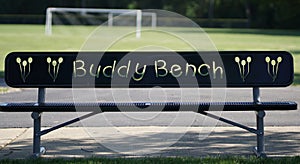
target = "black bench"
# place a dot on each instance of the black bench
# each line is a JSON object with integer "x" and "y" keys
{"x": 240, "y": 69}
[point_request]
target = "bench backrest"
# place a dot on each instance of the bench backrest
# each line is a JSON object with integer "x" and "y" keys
{"x": 149, "y": 69}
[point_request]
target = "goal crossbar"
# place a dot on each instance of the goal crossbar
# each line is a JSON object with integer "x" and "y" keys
{"x": 137, "y": 13}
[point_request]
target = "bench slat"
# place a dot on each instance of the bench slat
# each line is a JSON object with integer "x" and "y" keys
{"x": 147, "y": 106}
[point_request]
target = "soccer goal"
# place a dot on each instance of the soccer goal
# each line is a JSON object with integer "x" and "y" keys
{"x": 138, "y": 14}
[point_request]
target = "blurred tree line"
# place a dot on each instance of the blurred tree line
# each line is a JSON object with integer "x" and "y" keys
{"x": 258, "y": 13}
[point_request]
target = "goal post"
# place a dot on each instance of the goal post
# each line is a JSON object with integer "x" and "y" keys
{"x": 137, "y": 13}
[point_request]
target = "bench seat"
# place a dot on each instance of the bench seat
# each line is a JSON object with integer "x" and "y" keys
{"x": 157, "y": 106}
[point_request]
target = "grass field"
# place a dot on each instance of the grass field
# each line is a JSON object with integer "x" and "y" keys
{"x": 68, "y": 38}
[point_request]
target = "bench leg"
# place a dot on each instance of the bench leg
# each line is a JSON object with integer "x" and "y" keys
{"x": 260, "y": 149}
{"x": 37, "y": 149}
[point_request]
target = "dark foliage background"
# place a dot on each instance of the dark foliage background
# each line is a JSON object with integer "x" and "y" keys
{"x": 212, "y": 13}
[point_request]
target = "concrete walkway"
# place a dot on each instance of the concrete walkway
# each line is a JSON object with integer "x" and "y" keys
{"x": 148, "y": 141}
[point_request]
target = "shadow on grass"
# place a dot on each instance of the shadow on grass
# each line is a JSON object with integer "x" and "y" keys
{"x": 247, "y": 31}
{"x": 295, "y": 52}
{"x": 296, "y": 79}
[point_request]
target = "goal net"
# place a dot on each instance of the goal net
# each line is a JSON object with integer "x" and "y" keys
{"x": 94, "y": 16}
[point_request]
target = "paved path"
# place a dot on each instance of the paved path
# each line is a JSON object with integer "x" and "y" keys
{"x": 142, "y": 141}
{"x": 137, "y": 133}
{"x": 274, "y": 118}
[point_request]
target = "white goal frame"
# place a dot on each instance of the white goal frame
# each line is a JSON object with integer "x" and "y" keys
{"x": 110, "y": 12}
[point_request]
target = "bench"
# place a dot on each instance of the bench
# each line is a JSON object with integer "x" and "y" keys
{"x": 234, "y": 69}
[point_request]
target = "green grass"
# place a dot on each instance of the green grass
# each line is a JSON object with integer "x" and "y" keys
{"x": 3, "y": 90}
{"x": 69, "y": 38}
{"x": 179, "y": 160}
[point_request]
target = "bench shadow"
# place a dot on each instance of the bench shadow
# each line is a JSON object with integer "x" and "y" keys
{"x": 224, "y": 143}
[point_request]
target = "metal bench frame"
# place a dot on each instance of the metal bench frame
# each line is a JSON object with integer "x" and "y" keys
{"x": 259, "y": 150}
